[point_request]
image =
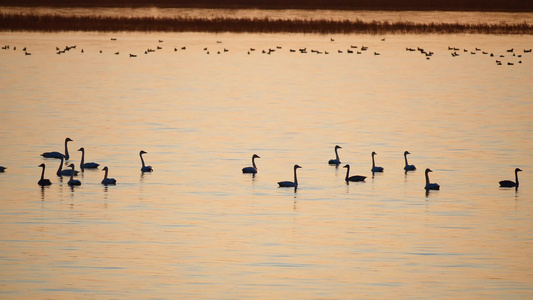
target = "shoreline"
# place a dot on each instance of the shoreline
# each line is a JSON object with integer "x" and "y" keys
{"x": 57, "y": 23}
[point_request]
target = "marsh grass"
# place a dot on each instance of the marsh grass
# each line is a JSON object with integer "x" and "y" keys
{"x": 54, "y": 23}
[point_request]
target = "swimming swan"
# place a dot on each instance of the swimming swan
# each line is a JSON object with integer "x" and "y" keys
{"x": 430, "y": 186}
{"x": 352, "y": 178}
{"x": 144, "y": 168}
{"x": 374, "y": 168}
{"x": 106, "y": 180}
{"x": 89, "y": 165}
{"x": 509, "y": 183}
{"x": 66, "y": 172}
{"x": 73, "y": 181}
{"x": 290, "y": 183}
{"x": 335, "y": 161}
{"x": 43, "y": 181}
{"x": 252, "y": 169}
{"x": 408, "y": 167}
{"x": 56, "y": 154}
{"x": 2, "y": 169}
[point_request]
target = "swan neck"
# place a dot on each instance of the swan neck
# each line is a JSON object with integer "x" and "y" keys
{"x": 72, "y": 173}
{"x": 373, "y": 164}
{"x": 295, "y": 178}
{"x": 42, "y": 174}
{"x": 105, "y": 174}
{"x": 347, "y": 172}
{"x": 405, "y": 155}
{"x": 142, "y": 160}
{"x": 253, "y": 162}
{"x": 66, "y": 150}
{"x": 336, "y": 153}
{"x": 427, "y": 177}
{"x": 516, "y": 177}
{"x": 60, "y": 167}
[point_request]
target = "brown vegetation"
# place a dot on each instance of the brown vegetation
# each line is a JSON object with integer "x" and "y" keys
{"x": 51, "y": 23}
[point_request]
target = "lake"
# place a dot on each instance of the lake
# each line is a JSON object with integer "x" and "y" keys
{"x": 196, "y": 227}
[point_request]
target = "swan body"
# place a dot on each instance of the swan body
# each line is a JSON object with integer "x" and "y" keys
{"x": 408, "y": 167}
{"x": 73, "y": 181}
{"x": 335, "y": 161}
{"x": 144, "y": 167}
{"x": 83, "y": 164}
{"x": 431, "y": 186}
{"x": 290, "y": 183}
{"x": 43, "y": 181}
{"x": 107, "y": 180}
{"x": 252, "y": 169}
{"x": 66, "y": 172}
{"x": 374, "y": 168}
{"x": 56, "y": 154}
{"x": 509, "y": 183}
{"x": 2, "y": 169}
{"x": 352, "y": 178}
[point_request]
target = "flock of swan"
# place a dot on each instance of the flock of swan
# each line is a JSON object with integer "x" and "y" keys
{"x": 251, "y": 170}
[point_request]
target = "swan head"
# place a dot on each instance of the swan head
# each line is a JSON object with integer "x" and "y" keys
{"x": 296, "y": 167}
{"x": 347, "y": 166}
{"x": 517, "y": 170}
{"x": 374, "y": 153}
{"x": 428, "y": 170}
{"x": 105, "y": 168}
{"x": 255, "y": 156}
{"x": 142, "y": 152}
{"x": 337, "y": 147}
{"x": 81, "y": 149}
{"x": 71, "y": 166}
{"x": 406, "y": 152}
{"x": 41, "y": 165}
{"x": 68, "y": 140}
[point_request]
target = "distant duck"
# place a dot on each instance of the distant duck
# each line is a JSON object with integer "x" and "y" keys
{"x": 352, "y": 178}
{"x": 2, "y": 169}
{"x": 374, "y": 168}
{"x": 89, "y": 165}
{"x": 56, "y": 154}
{"x": 43, "y": 181}
{"x": 290, "y": 183}
{"x": 335, "y": 161}
{"x": 509, "y": 183}
{"x": 73, "y": 181}
{"x": 67, "y": 172}
{"x": 408, "y": 167}
{"x": 430, "y": 186}
{"x": 107, "y": 180}
{"x": 252, "y": 169}
{"x": 144, "y": 168}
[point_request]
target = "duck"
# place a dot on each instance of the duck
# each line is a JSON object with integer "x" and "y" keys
{"x": 290, "y": 183}
{"x": 352, "y": 178}
{"x": 43, "y": 181}
{"x": 56, "y": 154}
{"x": 107, "y": 180}
{"x": 335, "y": 161}
{"x": 73, "y": 181}
{"x": 374, "y": 168}
{"x": 89, "y": 165}
{"x": 509, "y": 183}
{"x": 67, "y": 172}
{"x": 408, "y": 167}
{"x": 144, "y": 168}
{"x": 430, "y": 186}
{"x": 252, "y": 169}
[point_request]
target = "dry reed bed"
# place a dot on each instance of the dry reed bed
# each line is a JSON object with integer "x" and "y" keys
{"x": 55, "y": 23}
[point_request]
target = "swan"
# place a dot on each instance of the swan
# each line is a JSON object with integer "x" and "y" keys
{"x": 374, "y": 168}
{"x": 335, "y": 161}
{"x": 56, "y": 154}
{"x": 290, "y": 183}
{"x": 89, "y": 165}
{"x": 408, "y": 167}
{"x": 352, "y": 178}
{"x": 106, "y": 180}
{"x": 43, "y": 181}
{"x": 73, "y": 181}
{"x": 509, "y": 183}
{"x": 144, "y": 168}
{"x": 430, "y": 186}
{"x": 2, "y": 169}
{"x": 66, "y": 172}
{"x": 251, "y": 169}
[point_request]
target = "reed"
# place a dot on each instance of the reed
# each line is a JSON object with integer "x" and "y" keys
{"x": 55, "y": 23}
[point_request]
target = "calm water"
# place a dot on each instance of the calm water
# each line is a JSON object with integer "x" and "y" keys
{"x": 198, "y": 228}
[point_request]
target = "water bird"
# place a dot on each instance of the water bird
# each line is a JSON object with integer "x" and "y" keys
{"x": 56, "y": 154}
{"x": 290, "y": 183}
{"x": 430, "y": 186}
{"x": 252, "y": 169}
{"x": 408, "y": 167}
{"x": 527, "y": 50}
{"x": 107, "y": 180}
{"x": 144, "y": 168}
{"x": 336, "y": 160}
{"x": 83, "y": 164}
{"x": 2, "y": 169}
{"x": 67, "y": 172}
{"x": 133, "y": 55}
{"x": 43, "y": 181}
{"x": 73, "y": 181}
{"x": 509, "y": 183}
{"x": 374, "y": 168}
{"x": 352, "y": 178}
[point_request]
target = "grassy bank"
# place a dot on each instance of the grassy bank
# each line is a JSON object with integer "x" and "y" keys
{"x": 54, "y": 23}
